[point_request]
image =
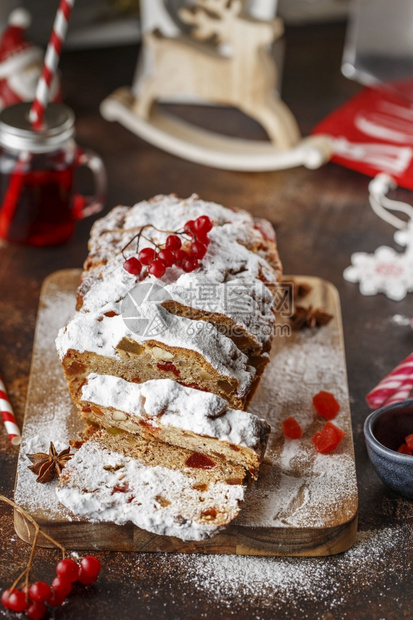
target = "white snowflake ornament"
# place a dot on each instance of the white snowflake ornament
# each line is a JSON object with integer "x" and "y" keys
{"x": 386, "y": 271}
{"x": 405, "y": 237}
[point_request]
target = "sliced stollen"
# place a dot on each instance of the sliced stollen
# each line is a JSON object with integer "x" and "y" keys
{"x": 240, "y": 244}
{"x": 233, "y": 286}
{"x": 216, "y": 321}
{"x": 192, "y": 353}
{"x": 169, "y": 412}
{"x": 118, "y": 479}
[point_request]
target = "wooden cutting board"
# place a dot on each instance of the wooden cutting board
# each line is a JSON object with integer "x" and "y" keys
{"x": 304, "y": 503}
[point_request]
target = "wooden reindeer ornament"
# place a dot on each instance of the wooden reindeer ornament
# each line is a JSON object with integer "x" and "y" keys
{"x": 226, "y": 60}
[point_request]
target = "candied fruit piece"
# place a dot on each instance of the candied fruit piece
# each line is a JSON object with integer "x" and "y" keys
{"x": 199, "y": 461}
{"x": 291, "y": 428}
{"x": 409, "y": 441}
{"x": 326, "y": 404}
{"x": 404, "y": 449}
{"x": 169, "y": 367}
{"x": 328, "y": 438}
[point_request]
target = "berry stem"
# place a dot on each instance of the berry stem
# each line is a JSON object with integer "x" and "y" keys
{"x": 150, "y": 241}
{"x": 18, "y": 580}
{"x": 138, "y": 235}
{"x": 30, "y": 562}
{"x": 37, "y": 533}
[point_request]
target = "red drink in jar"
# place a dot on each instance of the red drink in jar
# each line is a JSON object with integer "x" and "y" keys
{"x": 37, "y": 203}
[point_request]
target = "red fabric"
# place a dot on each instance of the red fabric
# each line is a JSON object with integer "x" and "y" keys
{"x": 7, "y": 95}
{"x": 12, "y": 42}
{"x": 373, "y": 133}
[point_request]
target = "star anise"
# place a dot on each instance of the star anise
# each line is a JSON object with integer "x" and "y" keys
{"x": 46, "y": 466}
{"x": 309, "y": 317}
{"x": 301, "y": 289}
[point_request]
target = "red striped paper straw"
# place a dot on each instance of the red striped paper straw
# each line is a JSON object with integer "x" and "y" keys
{"x": 7, "y": 414}
{"x": 402, "y": 393}
{"x": 396, "y": 383}
{"x": 51, "y": 61}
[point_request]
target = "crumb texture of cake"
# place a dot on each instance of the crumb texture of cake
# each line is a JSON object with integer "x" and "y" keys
{"x": 215, "y": 327}
{"x": 192, "y": 353}
{"x": 157, "y": 487}
{"x": 178, "y": 415}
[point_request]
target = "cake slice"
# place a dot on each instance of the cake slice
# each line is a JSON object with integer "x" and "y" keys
{"x": 169, "y": 412}
{"x": 158, "y": 487}
{"x": 210, "y": 328}
{"x": 232, "y": 288}
{"x": 192, "y": 353}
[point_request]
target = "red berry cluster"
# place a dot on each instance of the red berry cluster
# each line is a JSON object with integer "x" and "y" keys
{"x": 33, "y": 603}
{"x": 172, "y": 253}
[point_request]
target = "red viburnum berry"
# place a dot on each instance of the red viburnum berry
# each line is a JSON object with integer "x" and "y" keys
{"x": 202, "y": 224}
{"x": 146, "y": 256}
{"x": 39, "y": 592}
{"x": 167, "y": 257}
{"x": 157, "y": 268}
{"x": 67, "y": 569}
{"x": 57, "y": 597}
{"x": 197, "y": 249}
{"x": 17, "y": 600}
{"x": 189, "y": 227}
{"x": 202, "y": 238}
{"x": 36, "y": 610}
{"x": 189, "y": 264}
{"x": 89, "y": 570}
{"x": 5, "y": 598}
{"x": 180, "y": 255}
{"x": 90, "y": 566}
{"x": 133, "y": 266}
{"x": 173, "y": 242}
{"x": 63, "y": 585}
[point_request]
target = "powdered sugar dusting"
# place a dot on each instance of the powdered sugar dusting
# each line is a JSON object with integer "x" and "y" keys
{"x": 168, "y": 403}
{"x": 401, "y": 320}
{"x": 232, "y": 580}
{"x": 235, "y": 254}
{"x": 101, "y": 335}
{"x": 104, "y": 485}
{"x": 303, "y": 488}
{"x": 51, "y": 416}
{"x": 315, "y": 488}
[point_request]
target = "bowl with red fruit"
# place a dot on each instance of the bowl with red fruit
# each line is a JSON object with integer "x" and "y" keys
{"x": 388, "y": 432}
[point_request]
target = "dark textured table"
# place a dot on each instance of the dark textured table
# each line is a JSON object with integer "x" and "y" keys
{"x": 321, "y": 217}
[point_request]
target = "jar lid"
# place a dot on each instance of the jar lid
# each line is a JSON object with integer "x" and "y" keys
{"x": 16, "y": 131}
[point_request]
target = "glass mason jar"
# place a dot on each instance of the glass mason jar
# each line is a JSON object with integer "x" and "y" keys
{"x": 38, "y": 204}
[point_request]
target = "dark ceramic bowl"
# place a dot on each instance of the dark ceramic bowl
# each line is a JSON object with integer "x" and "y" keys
{"x": 384, "y": 432}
